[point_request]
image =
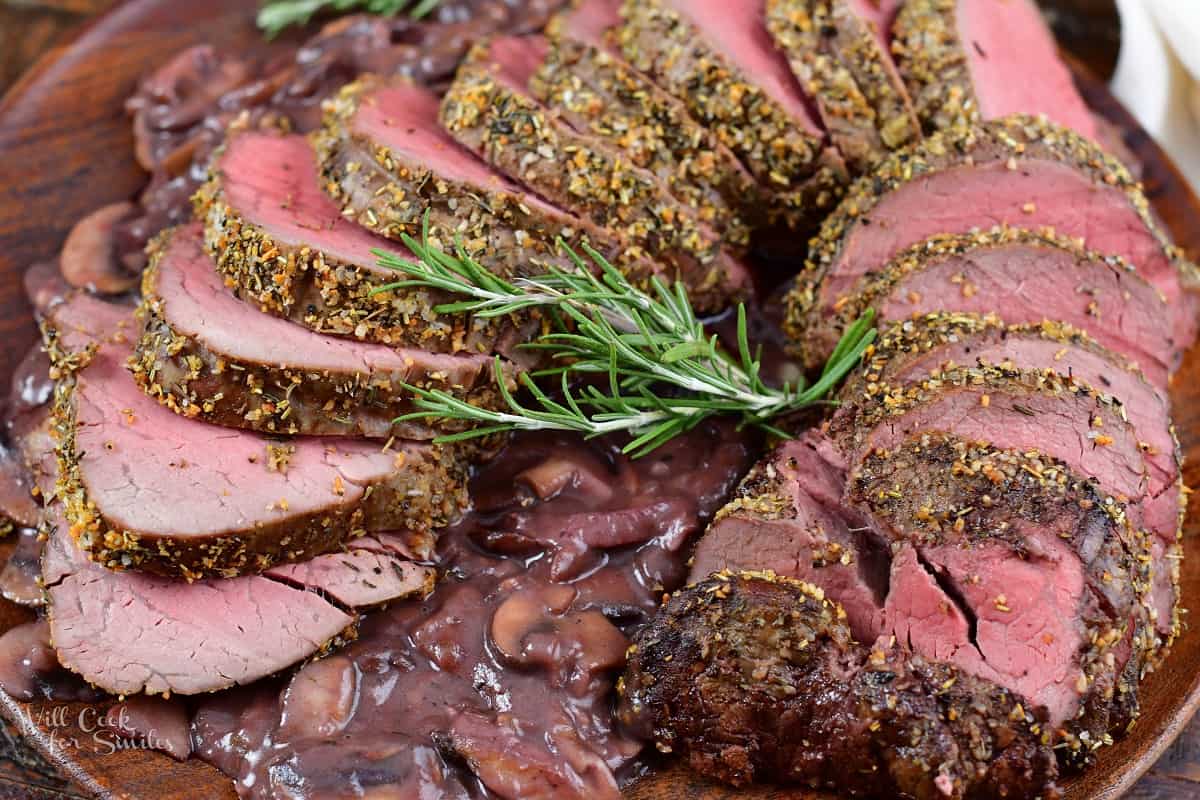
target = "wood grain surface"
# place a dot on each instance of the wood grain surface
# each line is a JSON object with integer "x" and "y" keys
{"x": 65, "y": 148}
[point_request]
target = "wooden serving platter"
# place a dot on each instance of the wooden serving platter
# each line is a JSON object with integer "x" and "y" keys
{"x": 66, "y": 148}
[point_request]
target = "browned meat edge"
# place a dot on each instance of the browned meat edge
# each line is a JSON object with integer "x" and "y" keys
{"x": 516, "y": 135}
{"x": 839, "y": 62}
{"x": 801, "y": 176}
{"x": 597, "y": 92}
{"x": 751, "y": 677}
{"x": 934, "y": 66}
{"x": 390, "y": 196}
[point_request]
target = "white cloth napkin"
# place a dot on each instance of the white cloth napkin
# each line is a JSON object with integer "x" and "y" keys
{"x": 1158, "y": 75}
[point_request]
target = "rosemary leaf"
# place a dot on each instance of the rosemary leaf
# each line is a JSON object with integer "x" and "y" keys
{"x": 649, "y": 367}
{"x": 277, "y": 15}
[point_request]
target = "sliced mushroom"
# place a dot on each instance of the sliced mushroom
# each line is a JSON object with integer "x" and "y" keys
{"x": 173, "y": 101}
{"x": 321, "y": 698}
{"x": 556, "y": 474}
{"x": 536, "y": 628}
{"x": 160, "y": 723}
{"x": 44, "y": 285}
{"x": 519, "y": 768}
{"x": 89, "y": 258}
{"x": 25, "y": 656}
{"x": 525, "y": 612}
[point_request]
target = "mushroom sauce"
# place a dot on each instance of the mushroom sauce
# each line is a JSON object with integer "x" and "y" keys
{"x": 501, "y": 682}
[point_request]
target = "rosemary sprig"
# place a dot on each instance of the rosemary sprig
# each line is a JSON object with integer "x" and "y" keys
{"x": 275, "y": 15}
{"x": 662, "y": 373}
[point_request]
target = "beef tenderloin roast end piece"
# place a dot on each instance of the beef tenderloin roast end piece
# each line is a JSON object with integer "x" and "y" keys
{"x": 751, "y": 677}
{"x": 1019, "y": 571}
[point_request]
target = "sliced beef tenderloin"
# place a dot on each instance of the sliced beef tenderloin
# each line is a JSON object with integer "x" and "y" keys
{"x": 788, "y": 517}
{"x": 80, "y": 320}
{"x": 843, "y": 63}
{"x": 71, "y": 322}
{"x": 914, "y": 350}
{"x": 585, "y": 79}
{"x": 147, "y": 488}
{"x": 387, "y": 162}
{"x": 1019, "y": 572}
{"x": 966, "y": 61}
{"x": 1029, "y": 277}
{"x": 187, "y": 638}
{"x": 280, "y": 242}
{"x": 1019, "y": 171}
{"x": 358, "y": 578}
{"x": 490, "y": 111}
{"x": 726, "y": 70}
{"x": 71, "y": 326}
{"x": 1023, "y": 410}
{"x": 754, "y": 678}
{"x": 205, "y": 354}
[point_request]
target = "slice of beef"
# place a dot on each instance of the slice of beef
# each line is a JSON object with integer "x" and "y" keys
{"x": 71, "y": 321}
{"x": 358, "y": 578}
{"x": 1022, "y": 410}
{"x": 187, "y": 638}
{"x": 966, "y": 61}
{"x": 1020, "y": 572}
{"x": 1019, "y": 171}
{"x": 80, "y": 320}
{"x": 913, "y": 350}
{"x": 205, "y": 354}
{"x": 91, "y": 256}
{"x": 147, "y": 488}
{"x": 71, "y": 326}
{"x": 726, "y": 70}
{"x": 754, "y": 678}
{"x": 787, "y": 516}
{"x": 1029, "y": 277}
{"x": 386, "y": 160}
{"x": 490, "y": 111}
{"x": 283, "y": 244}
{"x": 843, "y": 63}
{"x": 596, "y": 91}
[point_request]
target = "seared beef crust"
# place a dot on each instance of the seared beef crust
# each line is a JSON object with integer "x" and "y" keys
{"x": 750, "y": 677}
